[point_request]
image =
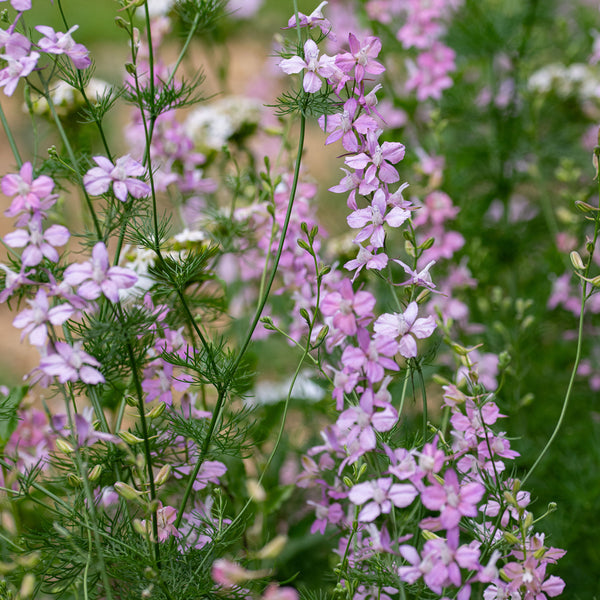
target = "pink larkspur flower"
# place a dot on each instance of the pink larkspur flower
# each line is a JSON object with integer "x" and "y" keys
{"x": 34, "y": 321}
{"x": 29, "y": 193}
{"x": 314, "y": 66}
{"x": 96, "y": 277}
{"x": 57, "y": 42}
{"x": 71, "y": 363}
{"x": 122, "y": 176}
{"x": 379, "y": 496}
{"x": 402, "y": 325}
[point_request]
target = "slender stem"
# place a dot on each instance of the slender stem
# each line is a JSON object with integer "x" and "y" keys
{"x": 11, "y": 139}
{"x": 74, "y": 162}
{"x": 584, "y": 297}
{"x": 223, "y": 391}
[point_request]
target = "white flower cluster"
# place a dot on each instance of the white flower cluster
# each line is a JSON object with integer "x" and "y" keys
{"x": 212, "y": 125}
{"x": 68, "y": 99}
{"x": 578, "y": 80}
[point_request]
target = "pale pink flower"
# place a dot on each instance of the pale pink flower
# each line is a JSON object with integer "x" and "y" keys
{"x": 38, "y": 243}
{"x": 96, "y": 277}
{"x": 380, "y": 495}
{"x": 402, "y": 325}
{"x": 57, "y": 42}
{"x": 315, "y": 67}
{"x": 122, "y": 176}
{"x": 71, "y": 363}
{"x": 165, "y": 517}
{"x": 34, "y": 321}
{"x": 29, "y": 194}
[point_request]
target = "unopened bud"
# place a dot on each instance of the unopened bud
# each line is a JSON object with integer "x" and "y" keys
{"x": 409, "y": 248}
{"x": 528, "y": 522}
{"x": 511, "y": 538}
{"x": 139, "y": 527}
{"x": 304, "y": 245}
{"x": 95, "y": 473}
{"x": 325, "y": 269}
{"x": 157, "y": 411}
{"x": 64, "y": 446}
{"x": 321, "y": 337}
{"x": 122, "y": 23}
{"x": 126, "y": 491}
{"x": 510, "y": 499}
{"x": 273, "y": 549}
{"x": 27, "y": 586}
{"x": 74, "y": 480}
{"x": 429, "y": 535}
{"x": 347, "y": 481}
{"x": 576, "y": 260}
{"x": 131, "y": 401}
{"x": 130, "y": 68}
{"x": 130, "y": 438}
{"x": 584, "y": 207}
{"x": 268, "y": 323}
{"x": 427, "y": 243}
{"x": 255, "y": 490}
{"x": 163, "y": 475}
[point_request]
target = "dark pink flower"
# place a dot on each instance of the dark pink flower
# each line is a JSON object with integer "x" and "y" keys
{"x": 361, "y": 57}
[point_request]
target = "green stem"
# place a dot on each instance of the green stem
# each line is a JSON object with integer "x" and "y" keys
{"x": 11, "y": 139}
{"x": 74, "y": 162}
{"x": 584, "y": 297}
{"x": 223, "y": 391}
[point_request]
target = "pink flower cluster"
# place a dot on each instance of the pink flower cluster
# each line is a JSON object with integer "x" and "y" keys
{"x": 21, "y": 57}
{"x": 447, "y": 482}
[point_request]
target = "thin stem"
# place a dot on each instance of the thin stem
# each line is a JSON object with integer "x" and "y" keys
{"x": 223, "y": 391}
{"x": 11, "y": 139}
{"x": 74, "y": 162}
{"x": 584, "y": 297}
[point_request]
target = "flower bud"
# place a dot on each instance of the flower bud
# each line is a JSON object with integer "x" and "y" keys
{"x": 528, "y": 522}
{"x": 321, "y": 337}
{"x": 131, "y": 401}
{"x": 576, "y": 260}
{"x": 126, "y": 491}
{"x": 429, "y": 535}
{"x": 255, "y": 490}
{"x": 268, "y": 323}
{"x": 158, "y": 410}
{"x": 74, "y": 480}
{"x": 129, "y": 438}
{"x": 27, "y": 586}
{"x": 511, "y": 538}
{"x": 163, "y": 475}
{"x": 139, "y": 527}
{"x": 273, "y": 548}
{"x": 95, "y": 473}
{"x": 510, "y": 499}
{"x": 64, "y": 446}
{"x": 584, "y": 207}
